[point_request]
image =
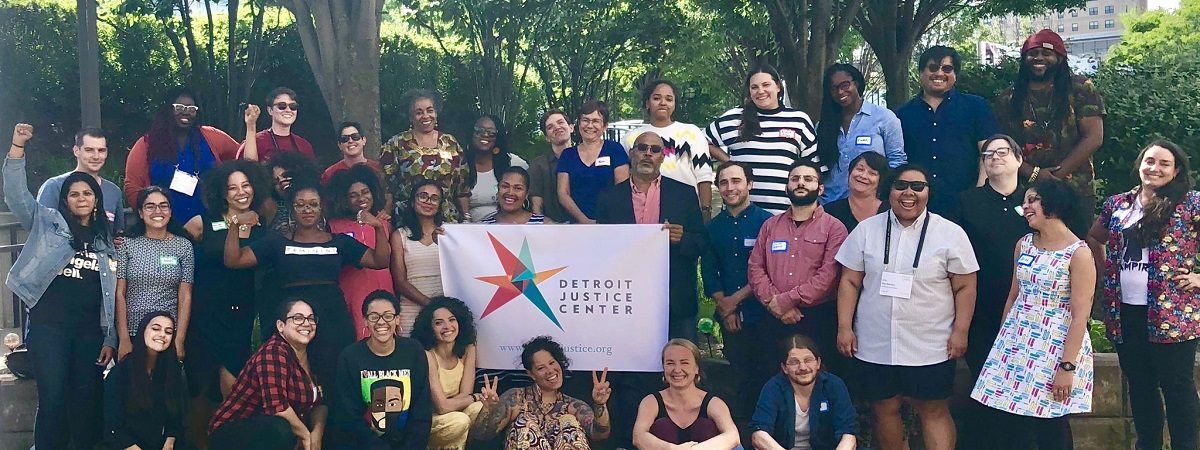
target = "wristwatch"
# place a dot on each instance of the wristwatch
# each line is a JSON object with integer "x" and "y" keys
{"x": 1067, "y": 366}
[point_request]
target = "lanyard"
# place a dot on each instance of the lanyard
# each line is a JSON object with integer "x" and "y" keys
{"x": 887, "y": 244}
{"x": 275, "y": 143}
{"x": 195, "y": 154}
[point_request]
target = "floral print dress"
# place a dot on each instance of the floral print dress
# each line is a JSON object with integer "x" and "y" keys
{"x": 405, "y": 163}
{"x": 553, "y": 428}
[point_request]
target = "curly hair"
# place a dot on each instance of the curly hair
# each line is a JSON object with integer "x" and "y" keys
{"x": 216, "y": 183}
{"x": 1158, "y": 212}
{"x": 423, "y": 326}
{"x": 1059, "y": 200}
{"x": 339, "y": 188}
{"x": 547, "y": 344}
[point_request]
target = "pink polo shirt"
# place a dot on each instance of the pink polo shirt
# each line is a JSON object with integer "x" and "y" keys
{"x": 646, "y": 204}
{"x": 796, "y": 261}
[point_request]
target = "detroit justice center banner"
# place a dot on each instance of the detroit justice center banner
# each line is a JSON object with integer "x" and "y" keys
{"x": 599, "y": 290}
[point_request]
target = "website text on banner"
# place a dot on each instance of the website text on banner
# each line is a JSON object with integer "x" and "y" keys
{"x": 599, "y": 290}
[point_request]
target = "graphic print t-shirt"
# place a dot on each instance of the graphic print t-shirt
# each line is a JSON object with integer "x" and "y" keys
{"x": 73, "y": 298}
{"x": 384, "y": 397}
{"x": 1135, "y": 259}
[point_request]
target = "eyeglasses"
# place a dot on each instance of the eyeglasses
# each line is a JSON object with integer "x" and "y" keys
{"x": 428, "y": 198}
{"x": 349, "y": 137}
{"x": 647, "y": 148}
{"x": 152, "y": 207}
{"x": 387, "y": 317}
{"x": 916, "y": 186}
{"x": 300, "y": 319}
{"x": 591, "y": 121}
{"x": 485, "y": 132}
{"x": 796, "y": 362}
{"x": 182, "y": 108}
{"x": 284, "y": 106}
{"x": 945, "y": 68}
{"x": 843, "y": 86}
{"x": 997, "y": 153}
{"x": 306, "y": 206}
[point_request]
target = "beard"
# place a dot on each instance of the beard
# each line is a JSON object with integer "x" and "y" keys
{"x": 803, "y": 200}
{"x": 1045, "y": 76}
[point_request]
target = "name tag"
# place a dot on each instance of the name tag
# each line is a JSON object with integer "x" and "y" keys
{"x": 1020, "y": 211}
{"x": 219, "y": 226}
{"x": 862, "y": 140}
{"x": 787, "y": 133}
{"x": 1025, "y": 260}
{"x": 293, "y": 250}
{"x": 111, "y": 217}
{"x": 749, "y": 242}
{"x": 112, "y": 265}
{"x": 824, "y": 407}
{"x": 779, "y": 246}
{"x": 184, "y": 183}
{"x": 168, "y": 260}
{"x": 603, "y": 161}
{"x": 897, "y": 285}
{"x": 349, "y": 233}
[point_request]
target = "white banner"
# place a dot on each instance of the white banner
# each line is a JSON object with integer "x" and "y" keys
{"x": 599, "y": 290}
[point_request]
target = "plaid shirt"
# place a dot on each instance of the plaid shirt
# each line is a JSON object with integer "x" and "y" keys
{"x": 271, "y": 381}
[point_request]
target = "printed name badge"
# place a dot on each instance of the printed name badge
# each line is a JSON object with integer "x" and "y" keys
{"x": 1025, "y": 260}
{"x": 749, "y": 242}
{"x": 897, "y": 285}
{"x": 863, "y": 140}
{"x": 1020, "y": 211}
{"x": 787, "y": 133}
{"x": 220, "y": 226}
{"x": 779, "y": 246}
{"x": 184, "y": 183}
{"x": 167, "y": 260}
{"x": 824, "y": 406}
{"x": 111, "y": 217}
{"x": 603, "y": 161}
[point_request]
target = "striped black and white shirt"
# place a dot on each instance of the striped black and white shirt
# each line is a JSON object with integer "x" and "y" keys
{"x": 787, "y": 135}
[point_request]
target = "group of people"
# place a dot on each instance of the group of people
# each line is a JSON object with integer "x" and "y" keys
{"x": 872, "y": 249}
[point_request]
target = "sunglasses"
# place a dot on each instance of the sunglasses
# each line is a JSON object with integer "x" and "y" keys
{"x": 656, "y": 149}
{"x": 916, "y": 186}
{"x": 485, "y": 132}
{"x": 349, "y": 137}
{"x": 945, "y": 68}
{"x": 284, "y": 106}
{"x": 181, "y": 108}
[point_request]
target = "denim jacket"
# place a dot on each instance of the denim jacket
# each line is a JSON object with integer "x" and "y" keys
{"x": 831, "y": 415}
{"x": 48, "y": 249}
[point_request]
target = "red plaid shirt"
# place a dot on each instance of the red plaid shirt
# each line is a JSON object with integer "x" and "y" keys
{"x": 271, "y": 381}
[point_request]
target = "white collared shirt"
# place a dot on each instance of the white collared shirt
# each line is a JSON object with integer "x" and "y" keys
{"x": 913, "y": 331}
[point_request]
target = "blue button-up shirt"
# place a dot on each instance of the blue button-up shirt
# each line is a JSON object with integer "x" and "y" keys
{"x": 946, "y": 142}
{"x": 875, "y": 129}
{"x": 723, "y": 266}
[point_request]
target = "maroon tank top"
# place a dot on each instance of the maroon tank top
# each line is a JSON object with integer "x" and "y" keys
{"x": 701, "y": 429}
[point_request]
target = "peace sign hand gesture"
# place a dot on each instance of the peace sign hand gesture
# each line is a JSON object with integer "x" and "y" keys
{"x": 490, "y": 397}
{"x": 366, "y": 218}
{"x": 601, "y": 390}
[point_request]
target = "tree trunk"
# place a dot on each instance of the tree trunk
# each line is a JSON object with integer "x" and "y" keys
{"x": 338, "y": 34}
{"x": 89, "y": 63}
{"x": 895, "y": 75}
{"x": 232, "y": 75}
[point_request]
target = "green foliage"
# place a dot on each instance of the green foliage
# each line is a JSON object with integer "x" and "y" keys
{"x": 1159, "y": 35}
{"x": 1100, "y": 342}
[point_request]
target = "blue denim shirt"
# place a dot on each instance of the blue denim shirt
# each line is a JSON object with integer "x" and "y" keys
{"x": 946, "y": 142}
{"x": 873, "y": 129}
{"x": 831, "y": 415}
{"x": 48, "y": 249}
{"x": 723, "y": 267}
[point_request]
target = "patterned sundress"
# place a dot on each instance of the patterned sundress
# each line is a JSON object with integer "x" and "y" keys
{"x": 405, "y": 163}
{"x": 1020, "y": 368}
{"x": 555, "y": 429}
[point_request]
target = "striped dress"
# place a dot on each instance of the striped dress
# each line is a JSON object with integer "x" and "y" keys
{"x": 1017, "y": 375}
{"x": 787, "y": 136}
{"x": 425, "y": 274}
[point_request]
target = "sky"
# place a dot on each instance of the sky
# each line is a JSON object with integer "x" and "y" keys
{"x": 1168, "y": 4}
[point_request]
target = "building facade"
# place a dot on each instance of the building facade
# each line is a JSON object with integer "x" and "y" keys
{"x": 1087, "y": 31}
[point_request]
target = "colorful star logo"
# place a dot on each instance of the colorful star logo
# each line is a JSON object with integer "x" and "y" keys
{"x": 520, "y": 278}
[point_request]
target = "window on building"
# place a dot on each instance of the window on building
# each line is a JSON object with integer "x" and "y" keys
{"x": 1075, "y": 26}
{"x": 1109, "y": 9}
{"x": 1110, "y": 23}
{"x": 1093, "y": 25}
{"x": 1060, "y": 14}
{"x": 1093, "y": 11}
{"x": 1074, "y": 13}
{"x": 1061, "y": 28}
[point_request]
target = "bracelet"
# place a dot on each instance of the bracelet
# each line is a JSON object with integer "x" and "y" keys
{"x": 1034, "y": 174}
{"x": 14, "y": 144}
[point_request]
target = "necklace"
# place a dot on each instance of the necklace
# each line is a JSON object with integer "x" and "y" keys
{"x": 1045, "y": 124}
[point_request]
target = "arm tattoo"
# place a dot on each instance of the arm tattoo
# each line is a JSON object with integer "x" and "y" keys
{"x": 587, "y": 418}
{"x": 492, "y": 421}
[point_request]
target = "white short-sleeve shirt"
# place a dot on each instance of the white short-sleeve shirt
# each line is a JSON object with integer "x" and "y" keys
{"x": 913, "y": 331}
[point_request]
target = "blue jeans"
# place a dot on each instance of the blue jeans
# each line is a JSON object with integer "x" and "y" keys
{"x": 68, "y": 385}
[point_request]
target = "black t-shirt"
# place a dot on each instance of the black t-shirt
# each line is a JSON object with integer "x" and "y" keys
{"x": 73, "y": 298}
{"x": 384, "y": 397}
{"x": 994, "y": 223}
{"x": 303, "y": 262}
